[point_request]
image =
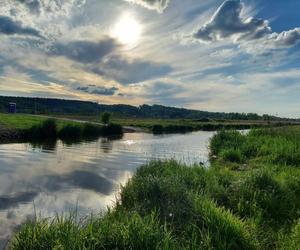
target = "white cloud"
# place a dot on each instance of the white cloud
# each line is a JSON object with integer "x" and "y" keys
{"x": 158, "y": 5}
{"x": 230, "y": 22}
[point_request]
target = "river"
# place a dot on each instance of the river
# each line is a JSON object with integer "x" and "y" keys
{"x": 49, "y": 178}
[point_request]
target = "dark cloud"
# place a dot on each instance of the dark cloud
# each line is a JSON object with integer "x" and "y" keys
{"x": 131, "y": 71}
{"x": 79, "y": 179}
{"x": 227, "y": 22}
{"x": 34, "y": 6}
{"x": 10, "y": 27}
{"x": 103, "y": 58}
{"x": 92, "y": 89}
{"x": 17, "y": 199}
{"x": 84, "y": 51}
{"x": 159, "y": 5}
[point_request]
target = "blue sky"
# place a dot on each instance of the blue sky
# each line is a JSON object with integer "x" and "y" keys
{"x": 216, "y": 55}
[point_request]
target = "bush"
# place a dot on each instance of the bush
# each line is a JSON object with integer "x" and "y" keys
{"x": 70, "y": 132}
{"x": 46, "y": 130}
{"x": 157, "y": 129}
{"x": 91, "y": 130}
{"x": 112, "y": 129}
{"x": 105, "y": 117}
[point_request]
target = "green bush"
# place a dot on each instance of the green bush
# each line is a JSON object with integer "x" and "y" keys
{"x": 112, "y": 129}
{"x": 46, "y": 130}
{"x": 70, "y": 131}
{"x": 91, "y": 130}
{"x": 157, "y": 129}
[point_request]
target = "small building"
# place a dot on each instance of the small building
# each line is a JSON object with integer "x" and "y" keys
{"x": 12, "y": 108}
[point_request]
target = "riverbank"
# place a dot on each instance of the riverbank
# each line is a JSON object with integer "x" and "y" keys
{"x": 247, "y": 199}
{"x": 167, "y": 126}
{"x": 19, "y": 127}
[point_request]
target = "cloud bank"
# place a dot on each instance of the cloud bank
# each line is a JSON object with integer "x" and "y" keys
{"x": 127, "y": 71}
{"x": 84, "y": 51}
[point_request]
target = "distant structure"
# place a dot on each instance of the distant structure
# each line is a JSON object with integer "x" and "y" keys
{"x": 12, "y": 108}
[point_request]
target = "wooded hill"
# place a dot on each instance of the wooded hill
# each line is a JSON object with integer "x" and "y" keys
{"x": 74, "y": 107}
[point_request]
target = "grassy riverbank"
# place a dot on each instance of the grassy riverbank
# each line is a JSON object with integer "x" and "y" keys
{"x": 248, "y": 199}
{"x": 29, "y": 127}
{"x": 158, "y": 126}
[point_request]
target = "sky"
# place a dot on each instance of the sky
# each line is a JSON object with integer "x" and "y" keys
{"x": 215, "y": 55}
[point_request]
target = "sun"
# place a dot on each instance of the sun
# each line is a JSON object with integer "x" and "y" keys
{"x": 127, "y": 30}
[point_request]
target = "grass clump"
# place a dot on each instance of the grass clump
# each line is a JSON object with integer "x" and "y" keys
{"x": 291, "y": 241}
{"x": 117, "y": 230}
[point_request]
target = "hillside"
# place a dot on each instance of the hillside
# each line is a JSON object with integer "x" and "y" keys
{"x": 30, "y": 105}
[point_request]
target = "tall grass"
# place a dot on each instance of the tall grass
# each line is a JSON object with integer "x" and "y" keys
{"x": 117, "y": 230}
{"x": 246, "y": 200}
{"x": 274, "y": 146}
{"x": 48, "y": 129}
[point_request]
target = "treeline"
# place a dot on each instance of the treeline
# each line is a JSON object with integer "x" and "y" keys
{"x": 74, "y": 107}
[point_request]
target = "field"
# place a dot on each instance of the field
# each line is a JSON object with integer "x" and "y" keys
{"x": 249, "y": 198}
{"x": 22, "y": 121}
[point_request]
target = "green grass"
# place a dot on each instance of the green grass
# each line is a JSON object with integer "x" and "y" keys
{"x": 23, "y": 121}
{"x": 273, "y": 146}
{"x": 248, "y": 199}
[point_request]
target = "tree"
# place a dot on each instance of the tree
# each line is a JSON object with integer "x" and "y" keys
{"x": 105, "y": 117}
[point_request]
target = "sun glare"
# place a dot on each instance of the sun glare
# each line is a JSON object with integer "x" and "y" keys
{"x": 127, "y": 30}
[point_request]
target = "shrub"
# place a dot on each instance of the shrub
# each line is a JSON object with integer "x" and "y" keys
{"x": 46, "y": 130}
{"x": 70, "y": 132}
{"x": 157, "y": 129}
{"x": 105, "y": 117}
{"x": 112, "y": 129}
{"x": 91, "y": 130}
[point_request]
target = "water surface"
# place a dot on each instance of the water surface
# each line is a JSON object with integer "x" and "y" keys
{"x": 53, "y": 177}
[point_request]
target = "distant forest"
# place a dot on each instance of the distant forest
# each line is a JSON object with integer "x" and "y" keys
{"x": 73, "y": 107}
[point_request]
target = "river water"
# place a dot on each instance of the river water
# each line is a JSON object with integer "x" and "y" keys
{"x": 49, "y": 178}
